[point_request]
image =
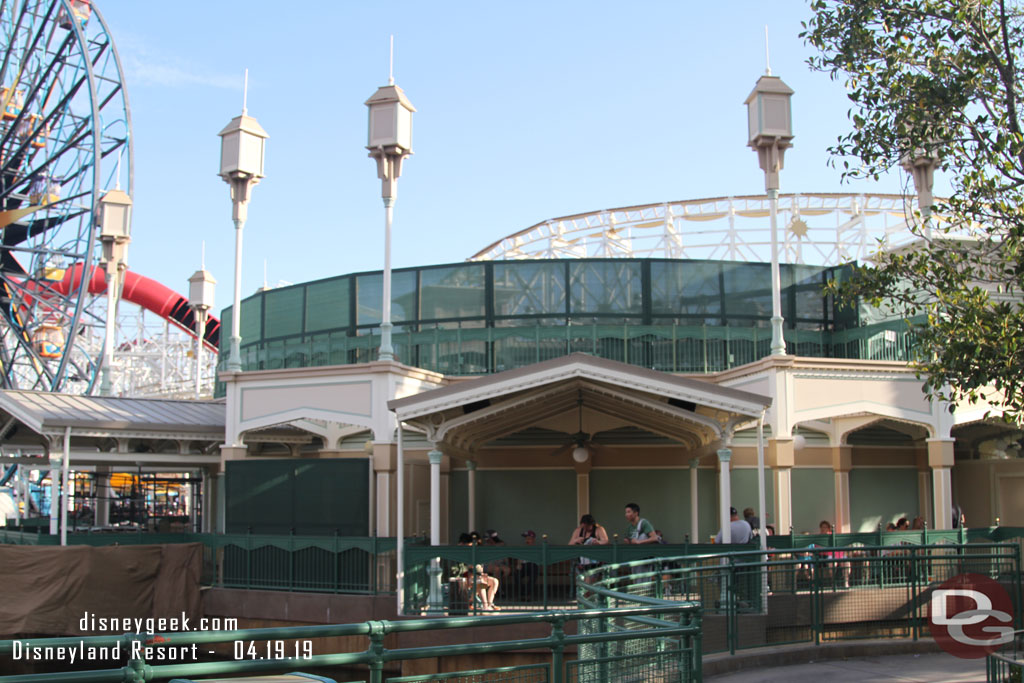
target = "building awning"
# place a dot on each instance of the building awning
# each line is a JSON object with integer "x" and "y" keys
{"x": 49, "y": 414}
{"x": 463, "y": 417}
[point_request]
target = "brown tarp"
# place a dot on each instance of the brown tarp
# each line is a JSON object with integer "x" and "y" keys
{"x": 47, "y": 590}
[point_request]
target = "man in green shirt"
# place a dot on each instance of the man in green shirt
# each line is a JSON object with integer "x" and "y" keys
{"x": 640, "y": 530}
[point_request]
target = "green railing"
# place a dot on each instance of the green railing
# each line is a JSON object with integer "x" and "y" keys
{"x": 530, "y": 577}
{"x": 653, "y": 643}
{"x": 666, "y": 347}
{"x": 334, "y": 564}
{"x": 1002, "y": 668}
{"x": 803, "y": 595}
{"x": 543, "y": 576}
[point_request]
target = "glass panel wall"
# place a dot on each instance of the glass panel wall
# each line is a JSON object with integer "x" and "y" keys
{"x": 474, "y": 318}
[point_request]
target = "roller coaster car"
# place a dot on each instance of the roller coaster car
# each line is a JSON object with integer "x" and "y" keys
{"x": 13, "y": 101}
{"x": 43, "y": 191}
{"x": 80, "y": 10}
{"x": 48, "y": 341}
{"x": 29, "y": 128}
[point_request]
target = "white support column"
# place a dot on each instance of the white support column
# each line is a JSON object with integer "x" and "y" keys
{"x": 209, "y": 499}
{"x": 101, "y": 482}
{"x": 383, "y": 503}
{"x": 940, "y": 459}
{"x": 761, "y": 511}
{"x": 471, "y": 494}
{"x": 400, "y": 524}
{"x": 435, "y": 496}
{"x": 842, "y": 513}
{"x": 725, "y": 493}
{"x": 54, "y": 494}
{"x": 435, "y": 599}
{"x": 942, "y": 497}
{"x": 694, "y": 516}
{"x": 925, "y": 507}
{"x": 781, "y": 459}
{"x": 66, "y": 481}
{"x": 842, "y": 462}
{"x": 784, "y": 499}
{"x": 18, "y": 498}
{"x": 192, "y": 517}
{"x": 383, "y": 466}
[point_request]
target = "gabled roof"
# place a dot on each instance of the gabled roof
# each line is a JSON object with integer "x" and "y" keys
{"x": 469, "y": 414}
{"x": 580, "y": 365}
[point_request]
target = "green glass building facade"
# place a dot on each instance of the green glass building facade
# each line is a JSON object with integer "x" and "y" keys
{"x": 471, "y": 318}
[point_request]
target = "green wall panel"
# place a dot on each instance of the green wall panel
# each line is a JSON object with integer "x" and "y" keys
{"x": 707, "y": 503}
{"x": 512, "y": 501}
{"x": 327, "y": 304}
{"x": 813, "y": 499}
{"x": 458, "y": 506}
{"x": 314, "y": 497}
{"x": 881, "y": 495}
{"x": 251, "y": 324}
{"x": 663, "y": 497}
{"x": 284, "y": 311}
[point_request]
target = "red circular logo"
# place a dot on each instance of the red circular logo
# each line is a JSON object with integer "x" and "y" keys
{"x": 971, "y": 616}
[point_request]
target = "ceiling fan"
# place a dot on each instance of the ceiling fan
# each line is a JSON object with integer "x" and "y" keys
{"x": 580, "y": 445}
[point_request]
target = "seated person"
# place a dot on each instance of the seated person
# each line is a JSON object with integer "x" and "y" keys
{"x": 589, "y": 532}
{"x": 528, "y": 573}
{"x": 501, "y": 568}
{"x": 835, "y": 568}
{"x": 484, "y": 587}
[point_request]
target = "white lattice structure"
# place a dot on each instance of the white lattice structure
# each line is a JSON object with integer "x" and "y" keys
{"x": 820, "y": 229}
{"x": 153, "y": 357}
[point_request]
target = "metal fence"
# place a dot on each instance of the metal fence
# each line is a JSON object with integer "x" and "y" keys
{"x": 458, "y": 579}
{"x": 656, "y": 643}
{"x": 530, "y": 578}
{"x": 1001, "y": 668}
{"x": 807, "y": 595}
{"x": 474, "y": 350}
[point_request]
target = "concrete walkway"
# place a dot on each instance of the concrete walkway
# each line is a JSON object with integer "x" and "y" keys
{"x": 893, "y": 659}
{"x": 867, "y": 669}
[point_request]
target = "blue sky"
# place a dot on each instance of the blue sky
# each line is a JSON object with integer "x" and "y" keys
{"x": 526, "y": 111}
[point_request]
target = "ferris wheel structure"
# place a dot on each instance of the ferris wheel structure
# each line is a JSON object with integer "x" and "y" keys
{"x": 65, "y": 140}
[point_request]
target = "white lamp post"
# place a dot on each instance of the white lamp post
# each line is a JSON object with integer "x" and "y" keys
{"x": 770, "y": 128}
{"x": 242, "y": 149}
{"x": 389, "y": 142}
{"x": 920, "y": 164}
{"x": 115, "y": 226}
{"x": 200, "y": 299}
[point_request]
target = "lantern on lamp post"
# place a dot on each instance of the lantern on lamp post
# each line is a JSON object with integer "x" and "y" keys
{"x": 921, "y": 163}
{"x": 242, "y": 148}
{"x": 389, "y": 142}
{"x": 770, "y": 134}
{"x": 115, "y": 228}
{"x": 200, "y": 300}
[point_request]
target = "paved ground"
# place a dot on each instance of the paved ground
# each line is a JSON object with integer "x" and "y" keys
{"x": 938, "y": 667}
